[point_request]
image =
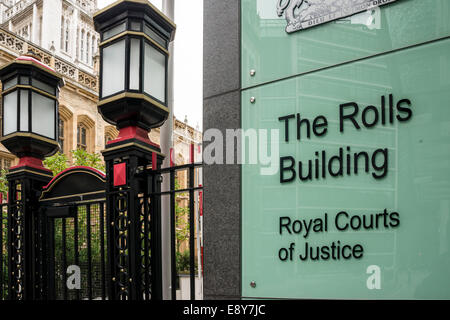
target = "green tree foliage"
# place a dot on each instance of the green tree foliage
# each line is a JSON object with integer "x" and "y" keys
{"x": 3, "y": 183}
{"x": 83, "y": 158}
{"x": 182, "y": 233}
{"x": 183, "y": 261}
{"x": 59, "y": 161}
{"x": 181, "y": 219}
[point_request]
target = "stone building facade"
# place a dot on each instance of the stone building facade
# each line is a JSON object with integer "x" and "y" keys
{"x": 61, "y": 33}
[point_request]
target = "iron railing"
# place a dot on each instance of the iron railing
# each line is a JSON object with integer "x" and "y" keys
{"x": 74, "y": 236}
{"x": 4, "y": 251}
{"x": 193, "y": 188}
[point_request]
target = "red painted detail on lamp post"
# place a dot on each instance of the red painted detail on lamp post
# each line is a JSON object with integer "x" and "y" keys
{"x": 133, "y": 132}
{"x": 31, "y": 162}
{"x": 120, "y": 174}
{"x": 154, "y": 162}
{"x": 200, "y": 195}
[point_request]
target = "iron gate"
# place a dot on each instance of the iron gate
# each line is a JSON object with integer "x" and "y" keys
{"x": 72, "y": 230}
{"x": 73, "y": 212}
{"x": 76, "y": 249}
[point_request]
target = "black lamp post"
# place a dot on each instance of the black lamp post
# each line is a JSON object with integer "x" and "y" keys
{"x": 133, "y": 67}
{"x": 30, "y": 112}
{"x": 133, "y": 96}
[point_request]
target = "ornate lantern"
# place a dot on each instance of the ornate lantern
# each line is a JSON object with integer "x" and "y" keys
{"x": 133, "y": 67}
{"x": 134, "y": 45}
{"x": 30, "y": 110}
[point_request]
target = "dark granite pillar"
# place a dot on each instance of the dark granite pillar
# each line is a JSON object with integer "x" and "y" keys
{"x": 222, "y": 110}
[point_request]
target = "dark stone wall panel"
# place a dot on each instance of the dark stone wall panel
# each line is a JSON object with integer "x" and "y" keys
{"x": 222, "y": 183}
{"x": 221, "y": 46}
{"x": 222, "y": 206}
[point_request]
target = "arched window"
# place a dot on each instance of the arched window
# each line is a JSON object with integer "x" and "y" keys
{"x": 82, "y": 45}
{"x": 111, "y": 133}
{"x": 81, "y": 137}
{"x": 6, "y": 160}
{"x": 66, "y": 37}
{"x": 77, "y": 44}
{"x": 65, "y": 129}
{"x": 61, "y": 133}
{"x": 92, "y": 50}
{"x": 85, "y": 133}
{"x": 6, "y": 163}
{"x": 88, "y": 38}
{"x": 62, "y": 33}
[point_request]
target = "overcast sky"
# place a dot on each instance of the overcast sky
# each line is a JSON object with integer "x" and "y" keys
{"x": 188, "y": 64}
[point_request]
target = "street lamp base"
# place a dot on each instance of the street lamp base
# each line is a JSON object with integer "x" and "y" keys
{"x": 31, "y": 163}
{"x": 133, "y": 134}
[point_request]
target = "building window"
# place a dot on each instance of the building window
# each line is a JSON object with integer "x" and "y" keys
{"x": 77, "y": 44}
{"x": 86, "y": 133}
{"x": 66, "y": 129}
{"x": 92, "y": 50}
{"x": 66, "y": 41}
{"x": 5, "y": 164}
{"x": 61, "y": 133}
{"x": 82, "y": 45}
{"x": 88, "y": 38}
{"x": 66, "y": 37}
{"x": 81, "y": 137}
{"x": 111, "y": 133}
{"x": 62, "y": 33}
{"x": 65, "y": 34}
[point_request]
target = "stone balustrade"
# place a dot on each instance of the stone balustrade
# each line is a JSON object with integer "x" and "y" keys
{"x": 19, "y": 46}
{"x": 18, "y": 7}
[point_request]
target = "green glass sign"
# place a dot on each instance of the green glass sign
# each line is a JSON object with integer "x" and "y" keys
{"x": 274, "y": 54}
{"x": 358, "y": 205}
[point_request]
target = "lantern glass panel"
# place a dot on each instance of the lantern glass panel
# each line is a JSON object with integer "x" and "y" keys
{"x": 24, "y": 110}
{"x": 135, "y": 26}
{"x": 113, "y": 68}
{"x": 43, "y": 86}
{"x": 10, "y": 113}
{"x": 152, "y": 34}
{"x": 10, "y": 83}
{"x": 43, "y": 115}
{"x": 25, "y": 80}
{"x": 155, "y": 73}
{"x": 114, "y": 31}
{"x": 135, "y": 53}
